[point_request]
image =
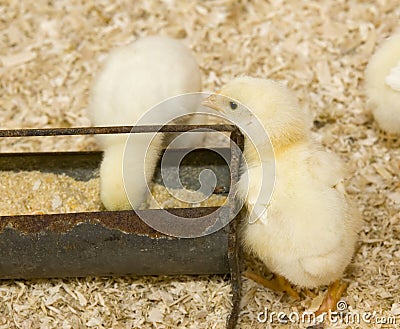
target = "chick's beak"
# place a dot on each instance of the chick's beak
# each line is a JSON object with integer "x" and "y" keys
{"x": 211, "y": 102}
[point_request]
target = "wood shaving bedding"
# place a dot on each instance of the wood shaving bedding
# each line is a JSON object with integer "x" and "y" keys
{"x": 49, "y": 54}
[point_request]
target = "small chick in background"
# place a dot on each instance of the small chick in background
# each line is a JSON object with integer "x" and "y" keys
{"x": 382, "y": 84}
{"x": 135, "y": 78}
{"x": 309, "y": 231}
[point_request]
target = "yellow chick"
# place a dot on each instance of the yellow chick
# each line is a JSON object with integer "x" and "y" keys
{"x": 309, "y": 231}
{"x": 382, "y": 83}
{"x": 135, "y": 78}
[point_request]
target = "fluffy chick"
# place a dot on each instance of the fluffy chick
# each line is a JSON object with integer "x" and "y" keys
{"x": 382, "y": 83}
{"x": 309, "y": 232}
{"x": 135, "y": 78}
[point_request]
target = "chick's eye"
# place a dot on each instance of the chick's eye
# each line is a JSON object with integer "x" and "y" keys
{"x": 233, "y": 105}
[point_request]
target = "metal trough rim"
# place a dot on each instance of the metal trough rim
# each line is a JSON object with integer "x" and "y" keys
{"x": 112, "y": 130}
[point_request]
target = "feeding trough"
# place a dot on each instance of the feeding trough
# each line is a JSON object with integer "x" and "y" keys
{"x": 118, "y": 242}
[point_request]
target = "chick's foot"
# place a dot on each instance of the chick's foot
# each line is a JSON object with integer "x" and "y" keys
{"x": 332, "y": 297}
{"x": 278, "y": 283}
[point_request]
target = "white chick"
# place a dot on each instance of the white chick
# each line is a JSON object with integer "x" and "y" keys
{"x": 135, "y": 78}
{"x": 382, "y": 83}
{"x": 308, "y": 233}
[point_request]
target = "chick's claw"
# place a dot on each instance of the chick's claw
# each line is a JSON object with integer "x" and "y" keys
{"x": 332, "y": 297}
{"x": 278, "y": 283}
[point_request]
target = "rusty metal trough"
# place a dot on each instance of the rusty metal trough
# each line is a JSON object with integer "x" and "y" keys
{"x": 119, "y": 242}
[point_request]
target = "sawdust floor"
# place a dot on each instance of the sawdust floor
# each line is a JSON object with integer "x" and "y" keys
{"x": 51, "y": 50}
